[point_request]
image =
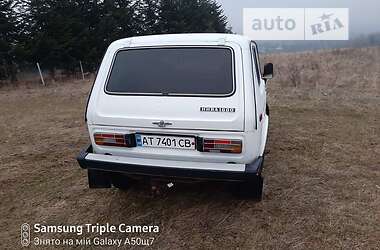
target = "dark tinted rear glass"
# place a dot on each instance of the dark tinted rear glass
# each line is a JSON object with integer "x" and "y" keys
{"x": 189, "y": 71}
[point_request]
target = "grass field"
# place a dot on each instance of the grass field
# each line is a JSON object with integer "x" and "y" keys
{"x": 322, "y": 168}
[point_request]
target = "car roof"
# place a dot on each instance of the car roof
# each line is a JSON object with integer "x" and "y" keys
{"x": 190, "y": 38}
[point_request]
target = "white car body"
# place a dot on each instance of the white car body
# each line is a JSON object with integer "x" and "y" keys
{"x": 140, "y": 114}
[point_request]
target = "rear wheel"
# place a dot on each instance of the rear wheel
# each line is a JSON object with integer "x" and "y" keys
{"x": 251, "y": 189}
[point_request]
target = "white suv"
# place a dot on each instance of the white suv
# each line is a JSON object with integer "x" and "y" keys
{"x": 178, "y": 106}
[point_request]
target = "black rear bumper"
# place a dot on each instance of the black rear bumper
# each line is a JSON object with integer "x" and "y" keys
{"x": 252, "y": 170}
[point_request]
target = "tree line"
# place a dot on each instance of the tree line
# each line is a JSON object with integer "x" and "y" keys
{"x": 60, "y": 33}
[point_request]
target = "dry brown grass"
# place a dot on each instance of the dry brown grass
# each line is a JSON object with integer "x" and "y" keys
{"x": 322, "y": 173}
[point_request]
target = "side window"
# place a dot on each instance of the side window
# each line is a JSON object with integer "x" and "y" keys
{"x": 255, "y": 59}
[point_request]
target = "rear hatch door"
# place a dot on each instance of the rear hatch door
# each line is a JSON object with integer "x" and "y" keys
{"x": 190, "y": 88}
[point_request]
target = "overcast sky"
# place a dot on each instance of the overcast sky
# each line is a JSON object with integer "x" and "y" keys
{"x": 364, "y": 14}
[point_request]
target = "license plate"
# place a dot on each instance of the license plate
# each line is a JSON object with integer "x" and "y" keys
{"x": 162, "y": 141}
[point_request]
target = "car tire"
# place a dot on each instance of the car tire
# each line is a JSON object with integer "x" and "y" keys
{"x": 267, "y": 110}
{"x": 251, "y": 189}
{"x": 121, "y": 181}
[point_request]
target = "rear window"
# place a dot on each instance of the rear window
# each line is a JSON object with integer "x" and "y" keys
{"x": 173, "y": 71}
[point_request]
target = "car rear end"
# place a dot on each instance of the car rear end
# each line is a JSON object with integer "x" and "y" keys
{"x": 173, "y": 110}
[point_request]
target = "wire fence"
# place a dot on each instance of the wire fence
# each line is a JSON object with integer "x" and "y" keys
{"x": 37, "y": 74}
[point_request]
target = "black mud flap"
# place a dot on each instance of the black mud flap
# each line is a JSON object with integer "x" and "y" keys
{"x": 99, "y": 179}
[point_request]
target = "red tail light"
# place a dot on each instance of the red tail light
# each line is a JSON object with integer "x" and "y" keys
{"x": 112, "y": 139}
{"x": 222, "y": 146}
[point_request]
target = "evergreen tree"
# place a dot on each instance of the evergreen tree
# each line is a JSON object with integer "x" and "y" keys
{"x": 59, "y": 33}
{"x": 55, "y": 29}
{"x": 8, "y": 40}
{"x": 185, "y": 16}
{"x": 66, "y": 31}
{"x": 148, "y": 16}
{"x": 117, "y": 20}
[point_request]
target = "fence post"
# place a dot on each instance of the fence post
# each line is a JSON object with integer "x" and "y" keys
{"x": 81, "y": 69}
{"x": 39, "y": 70}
